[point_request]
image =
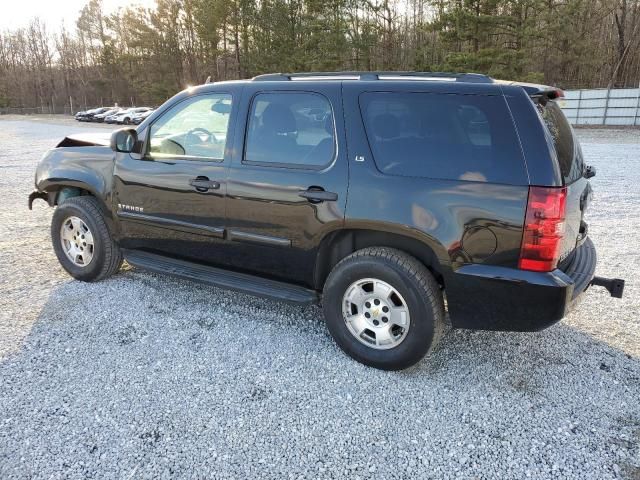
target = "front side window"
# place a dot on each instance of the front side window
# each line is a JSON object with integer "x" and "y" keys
{"x": 195, "y": 128}
{"x": 443, "y": 136}
{"x": 290, "y": 128}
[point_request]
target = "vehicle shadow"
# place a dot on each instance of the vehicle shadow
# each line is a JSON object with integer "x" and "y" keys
{"x": 143, "y": 360}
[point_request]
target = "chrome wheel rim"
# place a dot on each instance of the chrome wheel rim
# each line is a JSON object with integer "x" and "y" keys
{"x": 77, "y": 241}
{"x": 375, "y": 313}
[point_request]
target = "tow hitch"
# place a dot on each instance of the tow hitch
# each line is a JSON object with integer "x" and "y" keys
{"x": 614, "y": 285}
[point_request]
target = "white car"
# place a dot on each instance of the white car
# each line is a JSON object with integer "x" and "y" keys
{"x": 138, "y": 118}
{"x": 126, "y": 116}
{"x": 100, "y": 117}
{"x": 114, "y": 118}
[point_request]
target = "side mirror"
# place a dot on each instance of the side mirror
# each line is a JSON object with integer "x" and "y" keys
{"x": 124, "y": 140}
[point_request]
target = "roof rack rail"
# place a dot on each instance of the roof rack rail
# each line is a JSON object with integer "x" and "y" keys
{"x": 359, "y": 75}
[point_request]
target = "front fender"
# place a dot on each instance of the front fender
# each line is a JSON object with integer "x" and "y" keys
{"x": 88, "y": 168}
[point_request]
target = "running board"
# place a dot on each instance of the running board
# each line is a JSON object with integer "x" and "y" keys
{"x": 239, "y": 282}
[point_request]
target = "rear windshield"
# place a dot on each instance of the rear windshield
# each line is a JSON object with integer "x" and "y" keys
{"x": 444, "y": 136}
{"x": 564, "y": 141}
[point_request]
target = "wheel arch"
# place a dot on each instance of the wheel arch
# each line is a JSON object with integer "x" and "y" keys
{"x": 338, "y": 244}
{"x": 59, "y": 192}
{"x": 61, "y": 189}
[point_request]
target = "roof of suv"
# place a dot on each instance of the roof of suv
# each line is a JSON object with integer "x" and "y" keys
{"x": 369, "y": 76}
{"x": 457, "y": 82}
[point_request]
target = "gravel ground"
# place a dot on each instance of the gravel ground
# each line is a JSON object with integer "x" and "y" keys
{"x": 144, "y": 376}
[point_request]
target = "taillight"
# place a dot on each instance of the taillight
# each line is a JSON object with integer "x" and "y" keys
{"x": 543, "y": 229}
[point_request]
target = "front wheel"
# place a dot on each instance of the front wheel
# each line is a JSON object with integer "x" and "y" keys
{"x": 82, "y": 240}
{"x": 383, "y": 308}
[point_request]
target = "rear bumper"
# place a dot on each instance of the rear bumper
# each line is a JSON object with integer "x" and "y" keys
{"x": 582, "y": 267}
{"x": 488, "y": 297}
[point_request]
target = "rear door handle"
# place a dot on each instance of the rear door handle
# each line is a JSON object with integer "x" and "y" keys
{"x": 315, "y": 195}
{"x": 202, "y": 184}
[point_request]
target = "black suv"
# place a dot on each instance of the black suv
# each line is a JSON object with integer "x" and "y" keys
{"x": 380, "y": 193}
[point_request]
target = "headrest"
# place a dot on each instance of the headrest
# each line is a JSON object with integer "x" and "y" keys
{"x": 278, "y": 119}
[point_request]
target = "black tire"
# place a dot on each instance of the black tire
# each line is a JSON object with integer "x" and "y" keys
{"x": 127, "y": 121}
{"x": 415, "y": 284}
{"x": 107, "y": 257}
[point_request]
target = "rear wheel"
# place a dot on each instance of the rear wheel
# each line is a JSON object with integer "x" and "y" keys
{"x": 82, "y": 240}
{"x": 383, "y": 308}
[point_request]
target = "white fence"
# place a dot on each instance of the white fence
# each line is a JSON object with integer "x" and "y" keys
{"x": 602, "y": 107}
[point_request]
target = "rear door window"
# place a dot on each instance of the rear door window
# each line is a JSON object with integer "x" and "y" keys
{"x": 567, "y": 148}
{"x": 444, "y": 136}
{"x": 290, "y": 129}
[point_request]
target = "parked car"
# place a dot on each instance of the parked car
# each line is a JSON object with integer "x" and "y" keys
{"x": 138, "y": 118}
{"x": 101, "y": 116}
{"x": 91, "y": 114}
{"x": 116, "y": 116}
{"x": 82, "y": 116}
{"x": 376, "y": 193}
{"x": 126, "y": 116}
{"x": 113, "y": 118}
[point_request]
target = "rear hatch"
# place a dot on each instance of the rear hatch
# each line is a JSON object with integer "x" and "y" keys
{"x": 571, "y": 164}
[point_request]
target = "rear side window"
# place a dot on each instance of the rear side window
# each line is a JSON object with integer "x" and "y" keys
{"x": 566, "y": 146}
{"x": 444, "y": 136}
{"x": 292, "y": 129}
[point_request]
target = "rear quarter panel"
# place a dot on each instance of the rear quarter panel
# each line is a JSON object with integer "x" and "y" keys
{"x": 462, "y": 222}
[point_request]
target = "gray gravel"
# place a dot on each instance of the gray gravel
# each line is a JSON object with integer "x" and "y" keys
{"x": 144, "y": 376}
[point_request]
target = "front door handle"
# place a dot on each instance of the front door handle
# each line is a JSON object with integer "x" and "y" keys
{"x": 317, "y": 195}
{"x": 202, "y": 184}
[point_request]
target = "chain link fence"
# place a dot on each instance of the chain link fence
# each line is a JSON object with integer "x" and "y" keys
{"x": 600, "y": 106}
{"x": 46, "y": 110}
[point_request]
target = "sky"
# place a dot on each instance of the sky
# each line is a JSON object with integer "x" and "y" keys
{"x": 18, "y": 13}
